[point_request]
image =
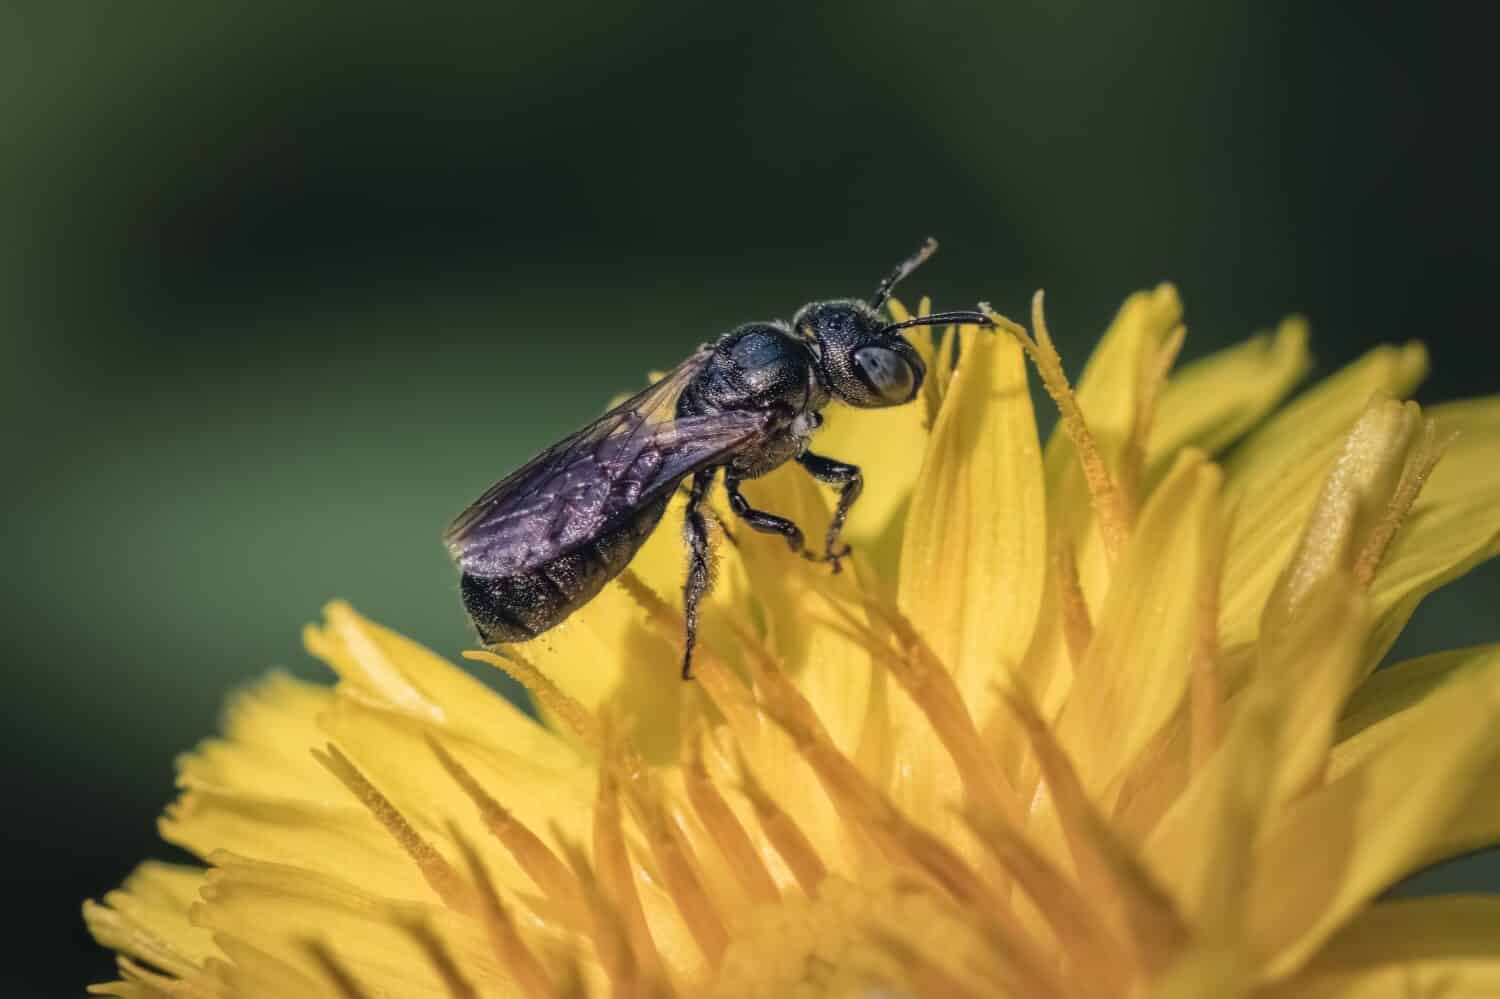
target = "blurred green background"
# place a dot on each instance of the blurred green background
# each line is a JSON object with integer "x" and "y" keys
{"x": 283, "y": 286}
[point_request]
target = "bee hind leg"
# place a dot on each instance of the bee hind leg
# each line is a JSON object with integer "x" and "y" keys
{"x": 695, "y": 533}
{"x": 766, "y": 523}
{"x": 851, "y": 483}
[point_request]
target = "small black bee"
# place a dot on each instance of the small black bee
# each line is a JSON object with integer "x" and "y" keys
{"x": 545, "y": 539}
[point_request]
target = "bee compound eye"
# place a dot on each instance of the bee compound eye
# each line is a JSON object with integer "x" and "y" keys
{"x": 887, "y": 373}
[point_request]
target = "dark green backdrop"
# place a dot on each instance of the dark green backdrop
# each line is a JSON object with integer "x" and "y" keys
{"x": 283, "y": 287}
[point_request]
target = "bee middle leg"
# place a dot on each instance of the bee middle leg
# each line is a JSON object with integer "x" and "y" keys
{"x": 766, "y": 523}
{"x": 851, "y": 482}
{"x": 695, "y": 532}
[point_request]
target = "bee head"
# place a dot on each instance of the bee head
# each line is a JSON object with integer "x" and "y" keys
{"x": 865, "y": 360}
{"x": 863, "y": 365}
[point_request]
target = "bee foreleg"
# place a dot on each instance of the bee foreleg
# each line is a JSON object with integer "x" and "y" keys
{"x": 766, "y": 523}
{"x": 695, "y": 533}
{"x": 851, "y": 481}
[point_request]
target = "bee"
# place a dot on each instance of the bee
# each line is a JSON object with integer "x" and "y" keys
{"x": 543, "y": 541}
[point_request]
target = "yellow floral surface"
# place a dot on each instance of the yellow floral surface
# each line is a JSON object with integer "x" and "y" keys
{"x": 1091, "y": 717}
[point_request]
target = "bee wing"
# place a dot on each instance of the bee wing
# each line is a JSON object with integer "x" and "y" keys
{"x": 576, "y": 489}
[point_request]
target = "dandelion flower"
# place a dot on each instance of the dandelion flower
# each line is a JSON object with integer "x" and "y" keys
{"x": 1094, "y": 718}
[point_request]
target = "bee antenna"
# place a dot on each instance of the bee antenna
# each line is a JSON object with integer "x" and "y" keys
{"x": 911, "y": 263}
{"x": 963, "y": 318}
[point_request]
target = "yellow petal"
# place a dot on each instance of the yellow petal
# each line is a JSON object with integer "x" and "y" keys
{"x": 1320, "y": 416}
{"x": 248, "y": 970}
{"x": 831, "y": 669}
{"x": 1277, "y": 746}
{"x": 1206, "y": 971}
{"x": 821, "y": 946}
{"x": 1441, "y": 980}
{"x": 1275, "y": 475}
{"x": 268, "y": 728}
{"x": 391, "y": 751}
{"x": 275, "y": 910}
{"x": 147, "y": 918}
{"x": 1414, "y": 931}
{"x": 1360, "y": 482}
{"x": 251, "y": 794}
{"x": 1108, "y": 867}
{"x": 292, "y": 830}
{"x": 1136, "y": 670}
{"x": 1096, "y": 952}
{"x": 1211, "y": 403}
{"x": 1382, "y": 709}
{"x": 1110, "y": 384}
{"x": 1311, "y": 665}
{"x": 1476, "y": 422}
{"x": 974, "y": 558}
{"x": 1063, "y": 632}
{"x": 413, "y": 679}
{"x": 632, "y": 894}
{"x": 1455, "y": 523}
{"x": 141, "y": 982}
{"x": 1476, "y": 826}
{"x": 1340, "y": 845}
{"x": 1387, "y": 707}
{"x": 606, "y": 653}
{"x": 1202, "y": 848}
{"x": 828, "y": 667}
{"x": 1109, "y": 392}
{"x": 765, "y": 748}
{"x": 129, "y": 990}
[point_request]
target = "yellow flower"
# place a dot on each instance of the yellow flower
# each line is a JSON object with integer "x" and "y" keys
{"x": 1098, "y": 718}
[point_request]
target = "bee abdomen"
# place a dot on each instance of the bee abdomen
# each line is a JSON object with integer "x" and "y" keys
{"x": 520, "y": 606}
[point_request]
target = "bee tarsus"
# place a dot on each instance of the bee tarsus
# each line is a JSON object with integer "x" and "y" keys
{"x": 852, "y": 483}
